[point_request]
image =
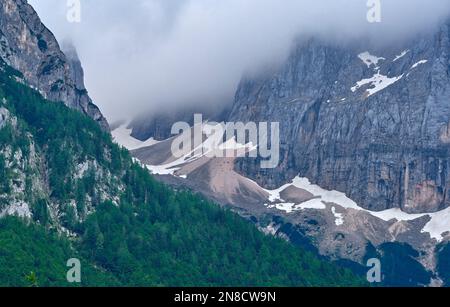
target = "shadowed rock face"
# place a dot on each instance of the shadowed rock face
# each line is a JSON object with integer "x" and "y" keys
{"x": 377, "y": 131}
{"x": 158, "y": 125}
{"x": 28, "y": 46}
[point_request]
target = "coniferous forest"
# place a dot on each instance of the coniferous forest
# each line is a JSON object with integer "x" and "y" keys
{"x": 126, "y": 228}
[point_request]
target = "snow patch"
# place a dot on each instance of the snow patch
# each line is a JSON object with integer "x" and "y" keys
{"x": 438, "y": 225}
{"x": 378, "y": 83}
{"x": 419, "y": 63}
{"x": 395, "y": 214}
{"x": 286, "y": 207}
{"x": 312, "y": 204}
{"x": 316, "y": 204}
{"x": 339, "y": 217}
{"x": 401, "y": 55}
{"x": 370, "y": 59}
{"x": 211, "y": 147}
{"x": 122, "y": 136}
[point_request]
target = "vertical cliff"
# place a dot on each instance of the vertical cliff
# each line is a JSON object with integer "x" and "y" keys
{"x": 29, "y": 47}
{"x": 370, "y": 121}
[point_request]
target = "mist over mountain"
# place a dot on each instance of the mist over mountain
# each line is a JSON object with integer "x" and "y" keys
{"x": 361, "y": 149}
{"x": 68, "y": 194}
{"x": 160, "y": 52}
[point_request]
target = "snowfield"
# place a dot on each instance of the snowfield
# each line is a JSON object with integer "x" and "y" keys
{"x": 419, "y": 63}
{"x": 401, "y": 55}
{"x": 213, "y": 146}
{"x": 122, "y": 136}
{"x": 370, "y": 59}
{"x": 378, "y": 83}
{"x": 439, "y": 222}
{"x": 321, "y": 199}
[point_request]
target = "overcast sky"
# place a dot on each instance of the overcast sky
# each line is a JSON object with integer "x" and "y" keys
{"x": 143, "y": 54}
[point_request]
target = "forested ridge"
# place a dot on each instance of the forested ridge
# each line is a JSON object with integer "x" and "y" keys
{"x": 89, "y": 200}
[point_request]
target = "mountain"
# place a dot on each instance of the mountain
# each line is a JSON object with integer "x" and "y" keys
{"x": 67, "y": 191}
{"x": 158, "y": 125}
{"x": 29, "y": 47}
{"x": 86, "y": 198}
{"x": 364, "y": 153}
{"x": 322, "y": 221}
{"x": 371, "y": 122}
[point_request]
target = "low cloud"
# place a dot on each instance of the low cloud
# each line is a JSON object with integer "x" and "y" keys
{"x": 141, "y": 55}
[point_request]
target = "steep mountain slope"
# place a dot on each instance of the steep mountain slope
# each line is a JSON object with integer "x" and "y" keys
{"x": 32, "y": 256}
{"x": 364, "y": 147}
{"x": 61, "y": 172}
{"x": 29, "y": 47}
{"x": 326, "y": 222}
{"x": 368, "y": 121}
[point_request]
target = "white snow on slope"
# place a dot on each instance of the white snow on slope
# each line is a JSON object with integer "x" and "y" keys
{"x": 172, "y": 167}
{"x": 419, "y": 63}
{"x": 378, "y": 83}
{"x": 439, "y": 222}
{"x": 316, "y": 204}
{"x": 401, "y": 55}
{"x": 286, "y": 207}
{"x": 370, "y": 60}
{"x": 122, "y": 136}
{"x": 212, "y": 147}
{"x": 339, "y": 217}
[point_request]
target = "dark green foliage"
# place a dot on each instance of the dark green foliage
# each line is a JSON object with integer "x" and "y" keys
{"x": 400, "y": 267}
{"x": 6, "y": 135}
{"x": 154, "y": 236}
{"x": 40, "y": 212}
{"x": 4, "y": 176}
{"x": 443, "y": 266}
{"x": 60, "y": 132}
{"x": 31, "y": 256}
{"x": 190, "y": 242}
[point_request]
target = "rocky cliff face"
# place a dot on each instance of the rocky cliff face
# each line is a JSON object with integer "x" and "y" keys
{"x": 28, "y": 46}
{"x": 370, "y": 121}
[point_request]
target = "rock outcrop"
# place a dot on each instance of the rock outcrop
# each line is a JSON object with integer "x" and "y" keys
{"x": 369, "y": 121}
{"x": 29, "y": 47}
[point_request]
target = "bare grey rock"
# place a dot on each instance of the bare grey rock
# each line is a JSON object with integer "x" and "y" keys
{"x": 29, "y": 47}
{"x": 385, "y": 149}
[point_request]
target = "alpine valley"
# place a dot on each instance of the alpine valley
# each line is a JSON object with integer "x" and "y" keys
{"x": 365, "y": 147}
{"x": 67, "y": 191}
{"x": 364, "y": 172}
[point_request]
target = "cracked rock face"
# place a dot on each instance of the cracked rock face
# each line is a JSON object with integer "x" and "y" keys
{"x": 29, "y": 47}
{"x": 372, "y": 122}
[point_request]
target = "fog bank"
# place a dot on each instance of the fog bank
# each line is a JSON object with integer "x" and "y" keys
{"x": 140, "y": 55}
